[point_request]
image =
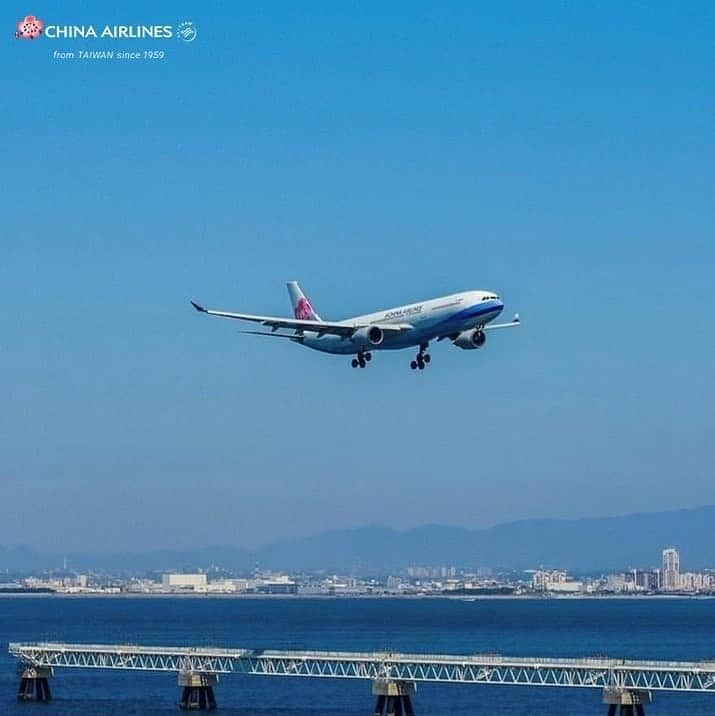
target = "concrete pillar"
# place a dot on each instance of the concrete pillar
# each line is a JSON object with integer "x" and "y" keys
{"x": 393, "y": 697}
{"x": 626, "y": 702}
{"x": 380, "y": 705}
{"x": 34, "y": 683}
{"x": 197, "y": 693}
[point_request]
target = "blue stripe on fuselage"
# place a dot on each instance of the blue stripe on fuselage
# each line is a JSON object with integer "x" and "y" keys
{"x": 471, "y": 312}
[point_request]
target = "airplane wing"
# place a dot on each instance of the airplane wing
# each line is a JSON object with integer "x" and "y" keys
{"x": 291, "y": 336}
{"x": 514, "y": 322}
{"x": 299, "y": 326}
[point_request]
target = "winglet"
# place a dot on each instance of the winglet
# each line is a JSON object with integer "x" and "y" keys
{"x": 197, "y": 307}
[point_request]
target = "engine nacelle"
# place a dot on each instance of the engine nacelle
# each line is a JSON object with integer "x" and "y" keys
{"x": 369, "y": 336}
{"x": 471, "y": 339}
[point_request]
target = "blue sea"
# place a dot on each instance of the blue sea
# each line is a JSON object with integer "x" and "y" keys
{"x": 680, "y": 629}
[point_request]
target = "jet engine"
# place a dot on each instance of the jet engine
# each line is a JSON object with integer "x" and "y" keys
{"x": 369, "y": 336}
{"x": 471, "y": 339}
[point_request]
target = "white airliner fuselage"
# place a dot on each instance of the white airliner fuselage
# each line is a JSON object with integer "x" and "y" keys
{"x": 461, "y": 317}
{"x": 429, "y": 320}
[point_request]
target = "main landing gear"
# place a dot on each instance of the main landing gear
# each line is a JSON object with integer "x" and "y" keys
{"x": 422, "y": 358}
{"x": 362, "y": 359}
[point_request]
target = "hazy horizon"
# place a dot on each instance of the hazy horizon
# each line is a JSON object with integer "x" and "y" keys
{"x": 248, "y": 547}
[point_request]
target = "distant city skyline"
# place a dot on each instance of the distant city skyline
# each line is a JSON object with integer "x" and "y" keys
{"x": 444, "y": 580}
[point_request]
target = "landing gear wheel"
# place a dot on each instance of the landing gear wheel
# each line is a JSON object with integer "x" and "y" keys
{"x": 422, "y": 357}
{"x": 368, "y": 356}
{"x": 413, "y": 365}
{"x": 354, "y": 363}
{"x": 362, "y": 362}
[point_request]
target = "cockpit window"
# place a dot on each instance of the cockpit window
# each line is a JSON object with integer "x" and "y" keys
{"x": 490, "y": 298}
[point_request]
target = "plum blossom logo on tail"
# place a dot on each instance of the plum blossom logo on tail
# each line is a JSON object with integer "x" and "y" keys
{"x": 29, "y": 28}
{"x": 303, "y": 310}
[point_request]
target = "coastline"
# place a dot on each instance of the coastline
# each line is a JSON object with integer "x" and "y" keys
{"x": 356, "y": 597}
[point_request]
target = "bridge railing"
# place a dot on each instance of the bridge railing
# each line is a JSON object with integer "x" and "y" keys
{"x": 586, "y": 672}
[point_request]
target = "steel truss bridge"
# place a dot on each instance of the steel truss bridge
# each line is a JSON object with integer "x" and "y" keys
{"x": 611, "y": 675}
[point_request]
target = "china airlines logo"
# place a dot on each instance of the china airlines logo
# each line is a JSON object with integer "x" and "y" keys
{"x": 303, "y": 311}
{"x": 187, "y": 31}
{"x": 29, "y": 28}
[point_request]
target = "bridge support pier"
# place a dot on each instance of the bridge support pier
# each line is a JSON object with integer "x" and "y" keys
{"x": 34, "y": 683}
{"x": 626, "y": 702}
{"x": 393, "y": 697}
{"x": 197, "y": 692}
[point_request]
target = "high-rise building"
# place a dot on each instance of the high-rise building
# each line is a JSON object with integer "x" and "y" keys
{"x": 647, "y": 580}
{"x": 671, "y": 569}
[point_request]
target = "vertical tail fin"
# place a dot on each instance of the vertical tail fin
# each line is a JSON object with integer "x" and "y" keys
{"x": 302, "y": 309}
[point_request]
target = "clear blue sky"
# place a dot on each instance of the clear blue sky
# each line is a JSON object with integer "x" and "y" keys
{"x": 561, "y": 154}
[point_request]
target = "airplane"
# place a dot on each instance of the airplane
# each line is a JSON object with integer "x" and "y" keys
{"x": 463, "y": 318}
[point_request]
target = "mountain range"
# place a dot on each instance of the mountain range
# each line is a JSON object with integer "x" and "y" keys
{"x": 587, "y": 544}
